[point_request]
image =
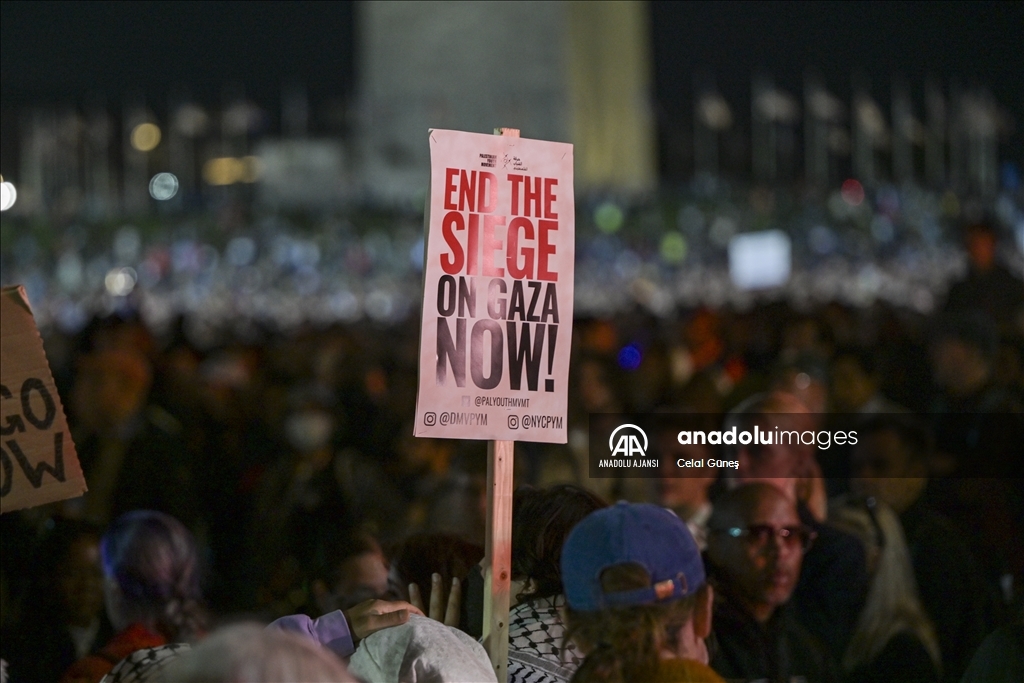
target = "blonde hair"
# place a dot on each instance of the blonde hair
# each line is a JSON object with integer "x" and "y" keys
{"x": 625, "y": 643}
{"x": 893, "y": 605}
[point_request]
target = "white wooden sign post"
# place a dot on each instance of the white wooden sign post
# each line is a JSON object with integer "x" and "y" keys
{"x": 498, "y": 553}
{"x": 498, "y": 539}
{"x": 497, "y": 318}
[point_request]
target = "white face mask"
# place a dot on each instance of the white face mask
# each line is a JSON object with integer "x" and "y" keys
{"x": 309, "y": 430}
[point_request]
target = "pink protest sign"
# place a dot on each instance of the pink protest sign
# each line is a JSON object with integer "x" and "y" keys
{"x": 497, "y": 289}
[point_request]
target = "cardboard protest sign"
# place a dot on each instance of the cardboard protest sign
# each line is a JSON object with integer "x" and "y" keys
{"x": 38, "y": 463}
{"x": 497, "y": 290}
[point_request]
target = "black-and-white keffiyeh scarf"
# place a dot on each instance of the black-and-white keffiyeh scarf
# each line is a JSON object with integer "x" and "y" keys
{"x": 536, "y": 652}
{"x": 143, "y": 666}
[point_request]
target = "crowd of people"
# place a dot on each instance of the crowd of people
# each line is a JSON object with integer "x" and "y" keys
{"x": 274, "y": 479}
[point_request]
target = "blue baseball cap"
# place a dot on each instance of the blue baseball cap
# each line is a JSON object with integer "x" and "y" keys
{"x": 648, "y": 535}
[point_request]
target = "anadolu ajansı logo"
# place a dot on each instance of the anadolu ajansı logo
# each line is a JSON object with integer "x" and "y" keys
{"x": 628, "y": 442}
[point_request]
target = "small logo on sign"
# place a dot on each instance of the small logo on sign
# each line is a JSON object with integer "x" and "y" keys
{"x": 513, "y": 422}
{"x": 430, "y": 419}
{"x": 628, "y": 442}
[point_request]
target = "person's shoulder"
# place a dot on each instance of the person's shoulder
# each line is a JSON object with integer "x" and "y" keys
{"x": 1002, "y": 274}
{"x": 520, "y": 672}
{"x": 808, "y": 654}
{"x": 1000, "y": 658}
{"x": 832, "y": 542}
{"x": 143, "y": 665}
{"x": 685, "y": 671}
{"x": 88, "y": 669}
{"x": 538, "y": 609}
{"x": 904, "y": 658}
{"x": 125, "y": 642}
{"x": 903, "y": 647}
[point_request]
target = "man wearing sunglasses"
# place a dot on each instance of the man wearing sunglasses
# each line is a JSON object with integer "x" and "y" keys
{"x": 834, "y": 581}
{"x": 756, "y": 544}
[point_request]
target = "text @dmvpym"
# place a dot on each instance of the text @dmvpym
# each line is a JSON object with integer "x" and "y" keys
{"x": 31, "y": 416}
{"x": 508, "y": 260}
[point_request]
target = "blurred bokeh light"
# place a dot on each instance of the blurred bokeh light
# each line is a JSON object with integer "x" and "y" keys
{"x": 145, "y": 137}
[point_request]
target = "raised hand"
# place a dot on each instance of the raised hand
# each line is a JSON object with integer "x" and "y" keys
{"x": 373, "y": 615}
{"x": 438, "y": 611}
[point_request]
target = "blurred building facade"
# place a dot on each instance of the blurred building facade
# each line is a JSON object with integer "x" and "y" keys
{"x": 568, "y": 71}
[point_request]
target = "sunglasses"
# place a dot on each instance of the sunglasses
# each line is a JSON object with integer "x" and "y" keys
{"x": 758, "y": 535}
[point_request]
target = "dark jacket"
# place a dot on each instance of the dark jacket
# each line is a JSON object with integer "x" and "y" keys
{"x": 745, "y": 650}
{"x": 1000, "y": 659}
{"x": 995, "y": 291}
{"x": 941, "y": 559}
{"x": 904, "y": 659}
{"x": 833, "y": 585}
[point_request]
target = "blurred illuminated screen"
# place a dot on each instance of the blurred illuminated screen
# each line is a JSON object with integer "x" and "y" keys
{"x": 759, "y": 260}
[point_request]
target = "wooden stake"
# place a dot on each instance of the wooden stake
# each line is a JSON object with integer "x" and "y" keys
{"x": 498, "y": 558}
{"x": 498, "y": 545}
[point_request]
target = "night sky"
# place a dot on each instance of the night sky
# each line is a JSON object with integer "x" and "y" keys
{"x": 66, "y": 52}
{"x": 61, "y": 50}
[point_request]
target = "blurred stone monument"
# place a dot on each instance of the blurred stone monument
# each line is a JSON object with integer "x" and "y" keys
{"x": 567, "y": 71}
